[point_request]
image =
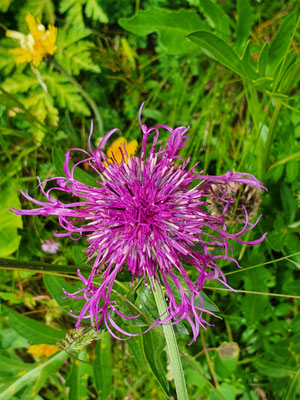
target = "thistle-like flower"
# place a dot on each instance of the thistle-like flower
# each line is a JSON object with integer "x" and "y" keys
{"x": 147, "y": 213}
{"x": 37, "y": 44}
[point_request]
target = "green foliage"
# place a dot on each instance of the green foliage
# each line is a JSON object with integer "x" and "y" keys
{"x": 230, "y": 70}
{"x": 74, "y": 52}
{"x": 9, "y": 223}
{"x": 172, "y": 27}
{"x": 102, "y": 366}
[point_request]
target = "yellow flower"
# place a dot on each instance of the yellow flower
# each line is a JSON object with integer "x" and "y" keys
{"x": 36, "y": 44}
{"x": 40, "y": 350}
{"x": 116, "y": 149}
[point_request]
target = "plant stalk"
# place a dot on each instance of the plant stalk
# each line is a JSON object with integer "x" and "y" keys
{"x": 172, "y": 346}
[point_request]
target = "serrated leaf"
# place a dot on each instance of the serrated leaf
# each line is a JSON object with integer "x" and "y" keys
{"x": 76, "y": 57}
{"x": 20, "y": 83}
{"x": 103, "y": 366}
{"x": 41, "y": 105}
{"x": 216, "y": 17}
{"x": 34, "y": 331}
{"x": 222, "y": 52}
{"x": 171, "y": 26}
{"x": 9, "y": 222}
{"x": 95, "y": 11}
{"x": 245, "y": 19}
{"x": 7, "y": 59}
{"x": 73, "y": 8}
{"x": 65, "y": 93}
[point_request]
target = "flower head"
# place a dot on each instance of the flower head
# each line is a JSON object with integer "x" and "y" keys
{"x": 37, "y": 44}
{"x": 147, "y": 213}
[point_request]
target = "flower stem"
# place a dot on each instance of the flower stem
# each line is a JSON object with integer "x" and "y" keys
{"x": 83, "y": 93}
{"x": 172, "y": 346}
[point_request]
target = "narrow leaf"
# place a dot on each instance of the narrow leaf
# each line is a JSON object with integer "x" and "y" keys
{"x": 34, "y": 331}
{"x": 103, "y": 367}
{"x": 222, "y": 52}
{"x": 245, "y": 19}
{"x": 154, "y": 345}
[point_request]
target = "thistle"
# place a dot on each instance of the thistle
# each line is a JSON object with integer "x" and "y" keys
{"x": 147, "y": 213}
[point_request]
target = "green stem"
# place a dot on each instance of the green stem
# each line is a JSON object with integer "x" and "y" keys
{"x": 83, "y": 93}
{"x": 270, "y": 135}
{"x": 172, "y": 346}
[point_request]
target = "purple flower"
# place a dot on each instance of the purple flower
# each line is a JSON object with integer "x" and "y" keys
{"x": 147, "y": 214}
{"x": 50, "y": 246}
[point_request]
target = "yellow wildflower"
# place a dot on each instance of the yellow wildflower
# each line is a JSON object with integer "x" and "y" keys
{"x": 117, "y": 148}
{"x": 40, "y": 350}
{"x": 36, "y": 44}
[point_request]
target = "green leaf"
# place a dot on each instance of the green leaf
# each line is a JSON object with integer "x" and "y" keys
{"x": 73, "y": 8}
{"x": 136, "y": 347}
{"x": 254, "y": 281}
{"x": 78, "y": 379}
{"x": 35, "y": 378}
{"x": 222, "y": 52}
{"x": 95, "y": 11}
{"x": 13, "y": 365}
{"x": 171, "y": 26}
{"x": 55, "y": 286}
{"x": 216, "y": 17}
{"x": 103, "y": 366}
{"x": 4, "y": 5}
{"x": 245, "y": 19}
{"x": 76, "y": 57}
{"x": 273, "y": 369}
{"x": 65, "y": 93}
{"x": 34, "y": 331}
{"x": 79, "y": 174}
{"x": 7, "y": 59}
{"x": 9, "y": 222}
{"x": 154, "y": 345}
{"x": 294, "y": 387}
{"x": 280, "y": 43}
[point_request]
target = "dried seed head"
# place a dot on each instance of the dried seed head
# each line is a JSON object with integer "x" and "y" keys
{"x": 240, "y": 196}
